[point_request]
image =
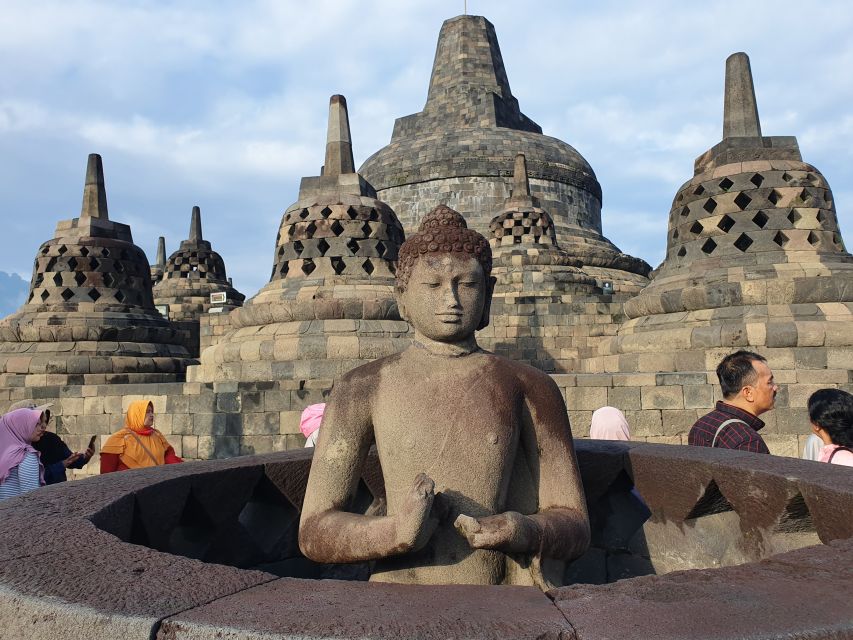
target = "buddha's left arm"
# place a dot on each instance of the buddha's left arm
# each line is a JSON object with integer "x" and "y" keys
{"x": 562, "y": 520}
{"x": 560, "y": 526}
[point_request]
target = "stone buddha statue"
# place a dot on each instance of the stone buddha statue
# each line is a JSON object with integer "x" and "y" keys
{"x": 480, "y": 473}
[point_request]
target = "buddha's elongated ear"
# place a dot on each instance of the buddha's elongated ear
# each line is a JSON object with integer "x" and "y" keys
{"x": 487, "y": 304}
{"x": 399, "y": 294}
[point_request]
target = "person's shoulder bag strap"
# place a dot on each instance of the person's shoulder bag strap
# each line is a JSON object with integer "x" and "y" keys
{"x": 723, "y": 426}
{"x": 144, "y": 448}
{"x": 832, "y": 455}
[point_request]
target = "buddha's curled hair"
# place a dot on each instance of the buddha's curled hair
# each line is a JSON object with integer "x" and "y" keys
{"x": 442, "y": 230}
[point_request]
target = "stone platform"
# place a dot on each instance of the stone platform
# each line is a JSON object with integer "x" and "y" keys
{"x": 212, "y": 546}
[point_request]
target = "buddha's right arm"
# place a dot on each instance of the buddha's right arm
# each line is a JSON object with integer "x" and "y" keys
{"x": 327, "y": 531}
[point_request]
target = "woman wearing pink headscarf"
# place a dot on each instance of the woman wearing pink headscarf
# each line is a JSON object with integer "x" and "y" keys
{"x": 309, "y": 423}
{"x": 608, "y": 423}
{"x": 20, "y": 467}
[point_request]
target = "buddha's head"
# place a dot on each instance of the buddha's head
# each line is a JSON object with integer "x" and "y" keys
{"x": 444, "y": 282}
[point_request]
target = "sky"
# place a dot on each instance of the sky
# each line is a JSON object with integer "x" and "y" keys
{"x": 224, "y": 104}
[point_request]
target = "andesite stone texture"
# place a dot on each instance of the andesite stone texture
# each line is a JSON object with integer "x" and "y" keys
{"x": 754, "y": 259}
{"x": 159, "y": 266}
{"x": 187, "y": 536}
{"x": 459, "y": 151}
{"x": 192, "y": 274}
{"x": 90, "y": 316}
{"x": 476, "y": 492}
{"x": 546, "y": 309}
{"x": 329, "y": 304}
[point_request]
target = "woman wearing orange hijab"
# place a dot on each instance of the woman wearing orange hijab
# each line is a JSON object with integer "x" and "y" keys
{"x": 138, "y": 444}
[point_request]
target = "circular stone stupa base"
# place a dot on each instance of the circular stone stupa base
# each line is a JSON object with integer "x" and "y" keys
{"x": 213, "y": 548}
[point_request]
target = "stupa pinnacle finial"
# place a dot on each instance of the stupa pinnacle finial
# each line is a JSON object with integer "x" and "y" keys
{"x": 195, "y": 225}
{"x": 161, "y": 253}
{"x": 740, "y": 115}
{"x": 520, "y": 183}
{"x": 338, "y": 142}
{"x": 94, "y": 192}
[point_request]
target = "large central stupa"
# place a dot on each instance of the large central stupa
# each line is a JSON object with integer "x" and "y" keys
{"x": 460, "y": 151}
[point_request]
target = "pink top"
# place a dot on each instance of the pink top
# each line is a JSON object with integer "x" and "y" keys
{"x": 842, "y": 457}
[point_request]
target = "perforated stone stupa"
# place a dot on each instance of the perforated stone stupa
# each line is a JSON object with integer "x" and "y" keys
{"x": 192, "y": 273}
{"x": 545, "y": 307}
{"x": 90, "y": 316}
{"x": 754, "y": 258}
{"x": 459, "y": 151}
{"x": 329, "y": 305}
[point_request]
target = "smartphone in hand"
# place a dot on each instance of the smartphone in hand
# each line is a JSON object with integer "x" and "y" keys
{"x": 92, "y": 441}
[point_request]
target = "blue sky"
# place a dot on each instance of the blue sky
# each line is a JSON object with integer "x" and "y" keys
{"x": 223, "y": 105}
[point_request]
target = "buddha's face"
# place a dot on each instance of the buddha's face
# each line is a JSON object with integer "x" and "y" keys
{"x": 445, "y": 296}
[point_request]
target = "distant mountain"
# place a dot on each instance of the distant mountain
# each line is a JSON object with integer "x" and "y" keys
{"x": 13, "y": 292}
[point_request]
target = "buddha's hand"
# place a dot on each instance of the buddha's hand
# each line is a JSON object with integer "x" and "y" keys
{"x": 510, "y": 532}
{"x": 414, "y": 524}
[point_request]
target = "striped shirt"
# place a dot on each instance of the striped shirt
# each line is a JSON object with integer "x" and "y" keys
{"x": 23, "y": 478}
{"x": 742, "y": 435}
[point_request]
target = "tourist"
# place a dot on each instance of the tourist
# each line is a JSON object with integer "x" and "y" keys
{"x": 478, "y": 463}
{"x": 309, "y": 423}
{"x": 812, "y": 448}
{"x": 56, "y": 457}
{"x": 608, "y": 423}
{"x": 138, "y": 444}
{"x": 20, "y": 467}
{"x": 748, "y": 391}
{"x": 831, "y": 415}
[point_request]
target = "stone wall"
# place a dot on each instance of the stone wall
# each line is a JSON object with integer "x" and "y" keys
{"x": 226, "y": 419}
{"x": 479, "y": 198}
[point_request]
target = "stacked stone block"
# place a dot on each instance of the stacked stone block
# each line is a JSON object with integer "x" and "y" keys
{"x": 192, "y": 274}
{"x": 329, "y": 305}
{"x": 755, "y": 260}
{"x": 459, "y": 151}
{"x": 90, "y": 316}
{"x": 546, "y": 310}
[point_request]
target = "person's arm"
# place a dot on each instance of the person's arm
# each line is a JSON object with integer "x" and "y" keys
{"x": 170, "y": 457}
{"x": 55, "y": 472}
{"x": 560, "y": 527}
{"x": 327, "y": 533}
{"x": 109, "y": 462}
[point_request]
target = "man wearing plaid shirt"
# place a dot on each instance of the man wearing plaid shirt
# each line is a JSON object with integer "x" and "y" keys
{"x": 748, "y": 391}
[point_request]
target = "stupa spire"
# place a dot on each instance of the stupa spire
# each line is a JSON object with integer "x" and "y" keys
{"x": 520, "y": 182}
{"x": 740, "y": 114}
{"x": 94, "y": 191}
{"x": 195, "y": 225}
{"x": 161, "y": 253}
{"x": 339, "y": 158}
{"x": 468, "y": 53}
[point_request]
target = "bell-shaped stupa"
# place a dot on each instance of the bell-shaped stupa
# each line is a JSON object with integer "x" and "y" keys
{"x": 90, "y": 316}
{"x": 754, "y": 259}
{"x": 191, "y": 275}
{"x": 329, "y": 305}
{"x": 544, "y": 305}
{"x": 460, "y": 150}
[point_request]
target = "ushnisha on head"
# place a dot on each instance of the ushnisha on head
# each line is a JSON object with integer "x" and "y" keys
{"x": 444, "y": 284}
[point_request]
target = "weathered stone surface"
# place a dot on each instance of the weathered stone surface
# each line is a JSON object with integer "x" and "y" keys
{"x": 286, "y": 609}
{"x": 90, "y": 309}
{"x": 767, "y": 599}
